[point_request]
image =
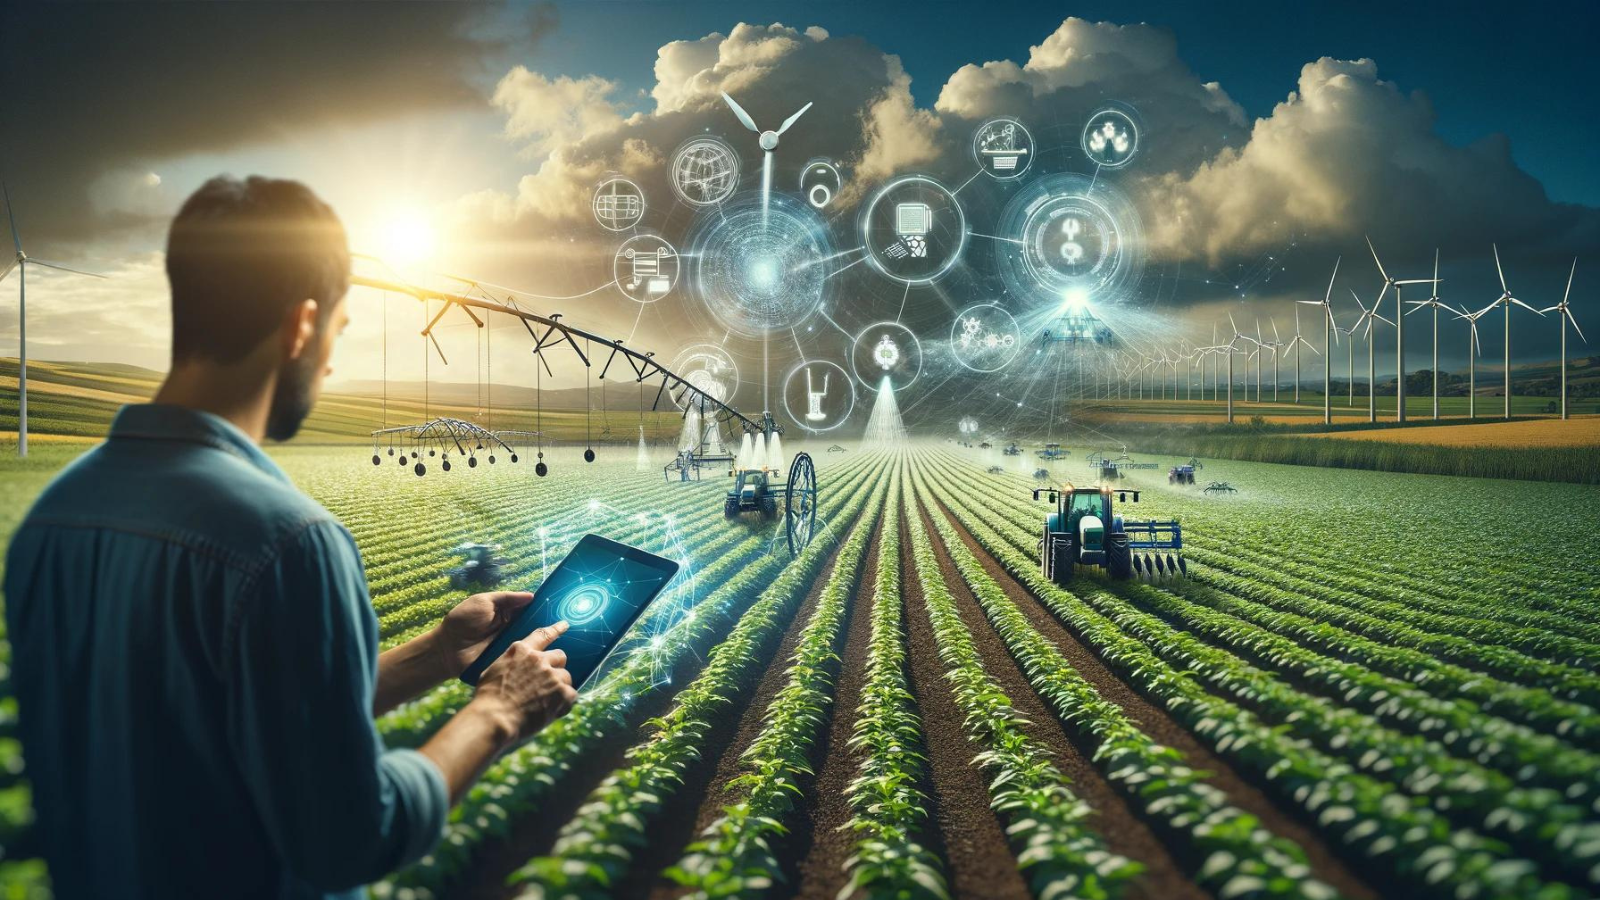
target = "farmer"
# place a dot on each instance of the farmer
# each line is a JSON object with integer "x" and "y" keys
{"x": 194, "y": 652}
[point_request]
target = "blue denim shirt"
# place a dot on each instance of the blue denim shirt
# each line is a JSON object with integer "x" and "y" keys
{"x": 194, "y": 657}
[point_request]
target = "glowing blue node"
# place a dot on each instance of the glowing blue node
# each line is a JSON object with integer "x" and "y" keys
{"x": 760, "y": 271}
{"x": 583, "y": 605}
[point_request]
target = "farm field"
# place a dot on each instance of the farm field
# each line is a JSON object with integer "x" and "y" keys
{"x": 1353, "y": 694}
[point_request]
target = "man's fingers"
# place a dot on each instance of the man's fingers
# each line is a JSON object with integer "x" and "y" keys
{"x": 556, "y": 658}
{"x": 541, "y": 638}
{"x": 564, "y": 676}
{"x": 507, "y": 603}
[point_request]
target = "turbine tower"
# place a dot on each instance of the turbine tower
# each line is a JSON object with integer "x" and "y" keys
{"x": 1399, "y": 332}
{"x": 1506, "y": 300}
{"x": 1435, "y": 303}
{"x": 1329, "y": 327}
{"x": 1473, "y": 350}
{"x": 1565, "y": 316}
{"x": 1367, "y": 315}
{"x": 1232, "y": 343}
{"x": 21, "y": 262}
{"x": 768, "y": 141}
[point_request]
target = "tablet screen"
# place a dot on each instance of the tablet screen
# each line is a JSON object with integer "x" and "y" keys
{"x": 599, "y": 589}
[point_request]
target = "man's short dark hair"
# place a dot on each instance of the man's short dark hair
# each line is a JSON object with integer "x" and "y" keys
{"x": 240, "y": 254}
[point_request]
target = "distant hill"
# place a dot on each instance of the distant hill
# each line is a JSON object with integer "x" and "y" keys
{"x": 79, "y": 400}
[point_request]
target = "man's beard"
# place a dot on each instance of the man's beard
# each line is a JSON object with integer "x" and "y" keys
{"x": 292, "y": 399}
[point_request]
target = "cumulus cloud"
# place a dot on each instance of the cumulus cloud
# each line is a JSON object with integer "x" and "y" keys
{"x": 1349, "y": 153}
{"x": 545, "y": 113}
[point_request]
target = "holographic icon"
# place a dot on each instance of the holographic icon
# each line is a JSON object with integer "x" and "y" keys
{"x": 618, "y": 204}
{"x": 1110, "y": 138}
{"x": 1003, "y": 148}
{"x": 985, "y": 338}
{"x": 584, "y": 604}
{"x": 705, "y": 171}
{"x": 645, "y": 268}
{"x": 815, "y": 410}
{"x": 913, "y": 230}
{"x": 886, "y": 354}
{"x": 814, "y": 398}
{"x": 967, "y": 425}
{"x": 820, "y": 182}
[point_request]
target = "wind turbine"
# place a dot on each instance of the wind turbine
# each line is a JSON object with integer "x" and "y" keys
{"x": 1435, "y": 303}
{"x": 1367, "y": 315}
{"x": 768, "y": 142}
{"x": 21, "y": 262}
{"x": 1329, "y": 327}
{"x": 1399, "y": 332}
{"x": 1505, "y": 299}
{"x": 1565, "y": 311}
{"x": 1277, "y": 345}
{"x": 1233, "y": 342}
{"x": 1473, "y": 349}
{"x": 1260, "y": 346}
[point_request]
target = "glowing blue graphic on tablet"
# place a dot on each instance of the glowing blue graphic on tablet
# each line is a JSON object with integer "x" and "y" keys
{"x": 583, "y": 605}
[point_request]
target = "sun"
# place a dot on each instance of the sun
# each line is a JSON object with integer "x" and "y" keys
{"x": 407, "y": 239}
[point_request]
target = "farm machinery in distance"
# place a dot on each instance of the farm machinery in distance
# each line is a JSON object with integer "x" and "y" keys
{"x": 1110, "y": 468}
{"x": 481, "y": 570}
{"x": 1052, "y": 451}
{"x": 1220, "y": 487}
{"x": 757, "y": 488}
{"x": 1012, "y": 449}
{"x": 1085, "y": 530}
{"x": 1183, "y": 473}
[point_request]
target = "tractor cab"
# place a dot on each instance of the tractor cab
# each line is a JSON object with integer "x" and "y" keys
{"x": 1085, "y": 529}
{"x": 752, "y": 491}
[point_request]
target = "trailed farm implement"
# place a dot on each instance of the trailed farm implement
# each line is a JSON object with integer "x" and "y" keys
{"x": 1084, "y": 530}
{"x": 482, "y": 570}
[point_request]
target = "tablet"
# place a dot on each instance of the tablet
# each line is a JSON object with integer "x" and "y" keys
{"x": 599, "y": 589}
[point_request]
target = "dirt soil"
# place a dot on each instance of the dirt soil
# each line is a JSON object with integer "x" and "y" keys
{"x": 1325, "y": 864}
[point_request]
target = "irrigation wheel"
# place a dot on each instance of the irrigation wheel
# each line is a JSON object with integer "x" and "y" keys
{"x": 800, "y": 512}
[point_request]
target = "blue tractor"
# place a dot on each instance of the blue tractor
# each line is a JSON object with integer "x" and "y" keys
{"x": 1084, "y": 531}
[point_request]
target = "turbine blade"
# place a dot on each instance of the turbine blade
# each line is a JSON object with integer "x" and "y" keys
{"x": 1376, "y": 260}
{"x": 792, "y": 119}
{"x": 1526, "y": 306}
{"x": 1327, "y": 296}
{"x": 1573, "y": 271}
{"x": 16, "y": 239}
{"x": 1487, "y": 308}
{"x": 51, "y": 265}
{"x": 1436, "y": 268}
{"x": 10, "y": 264}
{"x": 1500, "y": 271}
{"x": 740, "y": 113}
{"x": 1568, "y": 314}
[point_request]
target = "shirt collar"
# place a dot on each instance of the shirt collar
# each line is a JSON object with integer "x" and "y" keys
{"x": 167, "y": 422}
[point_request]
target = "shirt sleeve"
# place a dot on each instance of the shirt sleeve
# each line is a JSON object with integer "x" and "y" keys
{"x": 339, "y": 809}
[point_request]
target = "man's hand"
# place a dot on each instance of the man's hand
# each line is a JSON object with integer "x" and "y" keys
{"x": 467, "y": 629}
{"x": 528, "y": 687}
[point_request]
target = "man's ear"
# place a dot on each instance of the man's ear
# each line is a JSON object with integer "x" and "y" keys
{"x": 300, "y": 328}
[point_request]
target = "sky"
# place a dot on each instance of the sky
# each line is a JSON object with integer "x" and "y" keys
{"x": 1277, "y": 142}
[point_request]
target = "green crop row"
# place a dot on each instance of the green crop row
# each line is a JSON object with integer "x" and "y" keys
{"x": 890, "y": 808}
{"x": 1046, "y": 823}
{"x": 1239, "y": 857}
{"x": 737, "y": 854}
{"x": 1535, "y": 821}
{"x": 515, "y": 785}
{"x": 1535, "y": 707}
{"x": 598, "y": 844}
{"x": 1368, "y": 816}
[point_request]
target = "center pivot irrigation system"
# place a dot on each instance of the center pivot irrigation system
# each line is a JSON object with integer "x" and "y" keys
{"x": 437, "y": 437}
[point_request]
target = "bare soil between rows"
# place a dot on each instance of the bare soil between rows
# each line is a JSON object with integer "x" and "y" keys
{"x": 700, "y": 800}
{"x": 1117, "y": 823}
{"x": 1325, "y": 863}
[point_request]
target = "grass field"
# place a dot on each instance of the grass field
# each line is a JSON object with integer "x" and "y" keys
{"x": 1352, "y": 694}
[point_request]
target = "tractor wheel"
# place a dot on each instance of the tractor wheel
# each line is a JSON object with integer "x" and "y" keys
{"x": 1061, "y": 560}
{"x": 769, "y": 507}
{"x": 730, "y": 509}
{"x": 1119, "y": 558}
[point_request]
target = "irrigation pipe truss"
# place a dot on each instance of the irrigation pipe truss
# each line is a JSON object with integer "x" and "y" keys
{"x": 644, "y": 365}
